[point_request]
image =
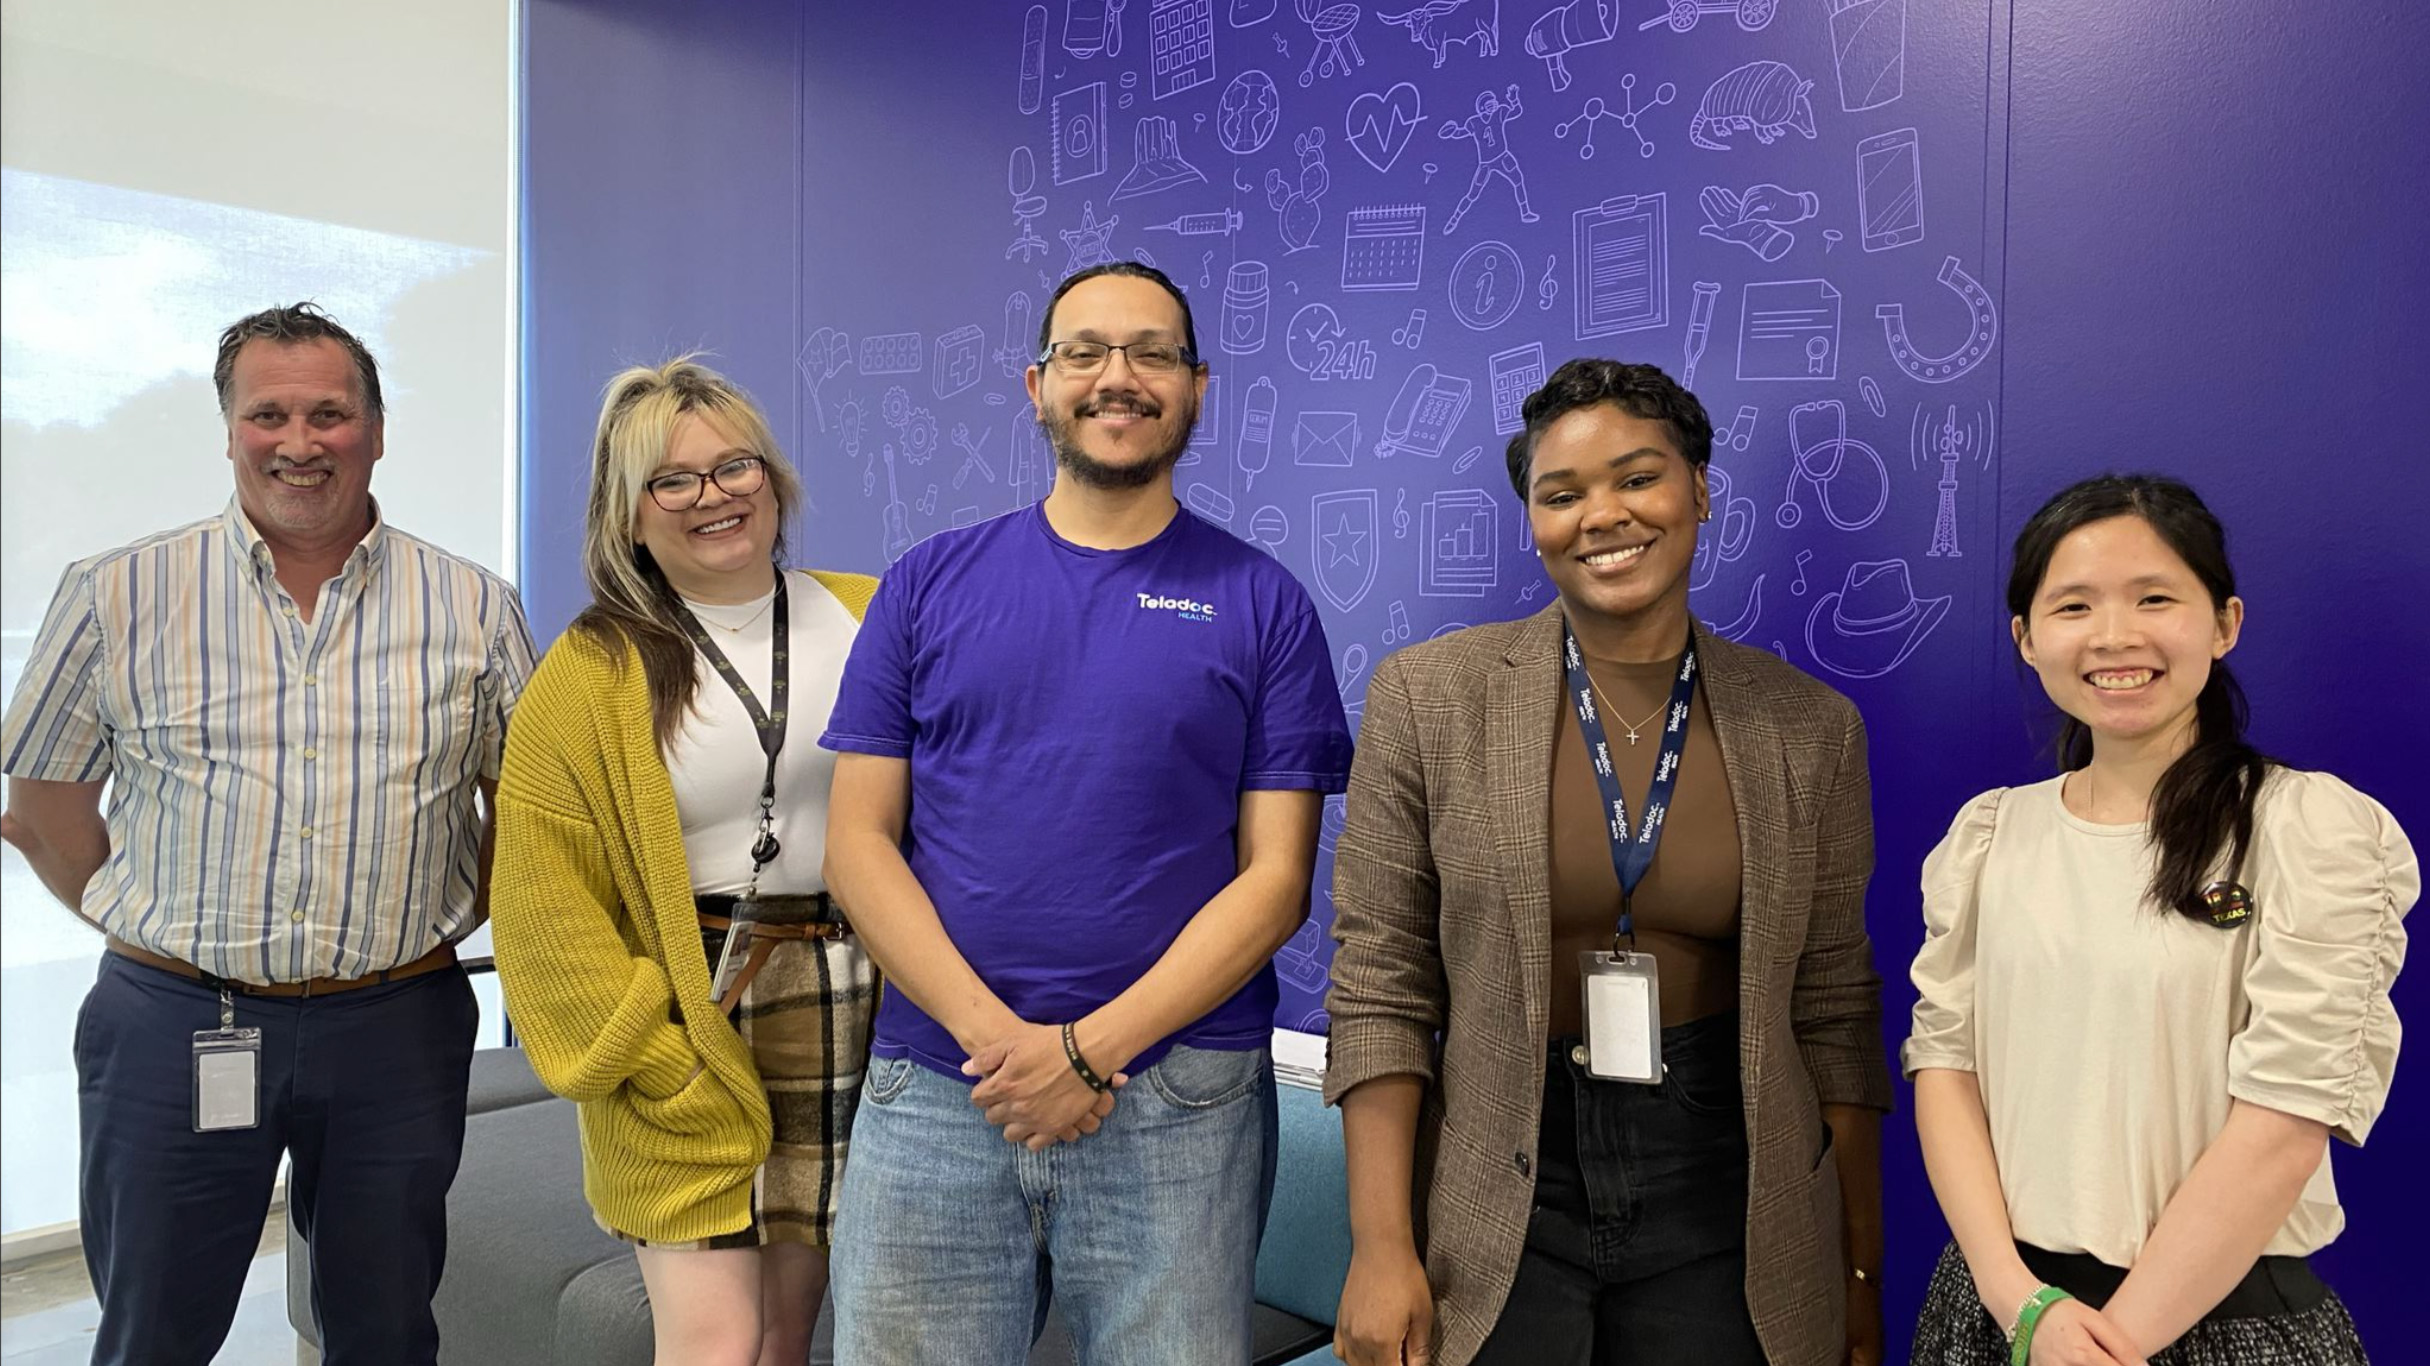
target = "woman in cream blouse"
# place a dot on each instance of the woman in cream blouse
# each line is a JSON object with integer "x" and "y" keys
{"x": 2152, "y": 988}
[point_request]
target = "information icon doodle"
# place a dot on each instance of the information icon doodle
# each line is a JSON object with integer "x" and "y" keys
{"x": 1487, "y": 283}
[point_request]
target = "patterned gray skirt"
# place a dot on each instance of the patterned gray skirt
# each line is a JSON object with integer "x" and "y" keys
{"x": 1953, "y": 1330}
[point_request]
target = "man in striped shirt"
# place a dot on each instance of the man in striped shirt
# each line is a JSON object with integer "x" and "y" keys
{"x": 298, "y": 713}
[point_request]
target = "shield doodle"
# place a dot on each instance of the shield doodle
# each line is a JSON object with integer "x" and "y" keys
{"x": 1343, "y": 545}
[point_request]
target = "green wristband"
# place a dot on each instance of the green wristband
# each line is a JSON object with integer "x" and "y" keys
{"x": 2020, "y": 1338}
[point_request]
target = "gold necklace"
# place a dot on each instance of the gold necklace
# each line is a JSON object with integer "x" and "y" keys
{"x": 732, "y": 630}
{"x": 1614, "y": 712}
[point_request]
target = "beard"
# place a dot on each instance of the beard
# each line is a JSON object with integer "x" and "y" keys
{"x": 1061, "y": 434}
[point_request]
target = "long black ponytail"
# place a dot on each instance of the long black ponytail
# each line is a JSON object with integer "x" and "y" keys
{"x": 2204, "y": 803}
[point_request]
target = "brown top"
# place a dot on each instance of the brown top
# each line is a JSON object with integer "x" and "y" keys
{"x": 1687, "y": 908}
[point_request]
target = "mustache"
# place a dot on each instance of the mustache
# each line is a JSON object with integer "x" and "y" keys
{"x": 1116, "y": 403}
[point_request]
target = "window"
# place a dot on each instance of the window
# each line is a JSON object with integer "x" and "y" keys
{"x": 164, "y": 169}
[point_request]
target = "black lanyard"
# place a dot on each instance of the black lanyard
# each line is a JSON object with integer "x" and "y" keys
{"x": 1632, "y": 856}
{"x": 770, "y": 723}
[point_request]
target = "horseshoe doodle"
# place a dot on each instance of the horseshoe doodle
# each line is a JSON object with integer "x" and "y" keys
{"x": 1942, "y": 369}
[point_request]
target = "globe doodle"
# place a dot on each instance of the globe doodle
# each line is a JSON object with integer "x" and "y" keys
{"x": 1245, "y": 117}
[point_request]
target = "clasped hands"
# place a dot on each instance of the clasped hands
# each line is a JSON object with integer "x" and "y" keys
{"x": 1029, "y": 1090}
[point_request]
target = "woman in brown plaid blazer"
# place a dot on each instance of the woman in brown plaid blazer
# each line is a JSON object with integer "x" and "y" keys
{"x": 1506, "y": 1205}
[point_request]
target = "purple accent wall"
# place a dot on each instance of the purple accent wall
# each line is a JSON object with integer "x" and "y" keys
{"x": 2187, "y": 239}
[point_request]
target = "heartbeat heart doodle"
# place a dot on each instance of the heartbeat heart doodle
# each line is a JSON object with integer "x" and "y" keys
{"x": 1378, "y": 126}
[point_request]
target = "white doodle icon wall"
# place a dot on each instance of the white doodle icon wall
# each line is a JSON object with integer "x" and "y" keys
{"x": 1393, "y": 220}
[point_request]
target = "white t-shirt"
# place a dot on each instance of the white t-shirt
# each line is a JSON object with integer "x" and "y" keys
{"x": 2110, "y": 1037}
{"x": 716, "y": 762}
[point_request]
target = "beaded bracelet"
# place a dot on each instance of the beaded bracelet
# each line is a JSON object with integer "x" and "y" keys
{"x": 2020, "y": 1338}
{"x": 1071, "y": 1051}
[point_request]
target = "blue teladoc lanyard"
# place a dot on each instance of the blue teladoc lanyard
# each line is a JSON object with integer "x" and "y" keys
{"x": 1632, "y": 855}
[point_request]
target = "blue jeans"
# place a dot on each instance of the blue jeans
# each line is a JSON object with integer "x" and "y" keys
{"x": 950, "y": 1241}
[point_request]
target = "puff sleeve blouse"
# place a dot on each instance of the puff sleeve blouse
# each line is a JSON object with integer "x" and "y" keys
{"x": 2110, "y": 1037}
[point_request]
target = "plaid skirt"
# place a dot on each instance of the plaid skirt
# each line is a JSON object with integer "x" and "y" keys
{"x": 806, "y": 1018}
{"x": 1954, "y": 1330}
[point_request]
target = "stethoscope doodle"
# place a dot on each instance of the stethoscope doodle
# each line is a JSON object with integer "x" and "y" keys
{"x": 1942, "y": 369}
{"x": 1819, "y": 464}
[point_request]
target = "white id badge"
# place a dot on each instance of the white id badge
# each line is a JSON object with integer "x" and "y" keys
{"x": 227, "y": 1079}
{"x": 1623, "y": 1000}
{"x": 730, "y": 960}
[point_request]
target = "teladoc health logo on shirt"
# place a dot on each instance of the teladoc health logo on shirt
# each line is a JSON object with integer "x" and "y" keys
{"x": 1190, "y": 608}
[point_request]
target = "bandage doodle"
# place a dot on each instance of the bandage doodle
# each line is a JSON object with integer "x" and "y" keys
{"x": 1033, "y": 59}
{"x": 1595, "y": 111}
{"x": 1984, "y": 329}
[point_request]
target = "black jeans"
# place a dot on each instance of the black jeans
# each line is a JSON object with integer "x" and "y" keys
{"x": 1636, "y": 1251}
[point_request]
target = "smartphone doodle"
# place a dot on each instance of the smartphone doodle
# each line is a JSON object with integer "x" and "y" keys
{"x": 1889, "y": 190}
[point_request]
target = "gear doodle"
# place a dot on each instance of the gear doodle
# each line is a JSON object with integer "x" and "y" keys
{"x": 920, "y": 436}
{"x": 895, "y": 406}
{"x": 1596, "y": 110}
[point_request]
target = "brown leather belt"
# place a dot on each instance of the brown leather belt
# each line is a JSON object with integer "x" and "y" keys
{"x": 443, "y": 956}
{"x": 827, "y": 923}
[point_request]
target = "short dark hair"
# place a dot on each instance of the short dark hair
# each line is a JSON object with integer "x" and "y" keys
{"x": 1136, "y": 271}
{"x": 1637, "y": 390}
{"x": 293, "y": 325}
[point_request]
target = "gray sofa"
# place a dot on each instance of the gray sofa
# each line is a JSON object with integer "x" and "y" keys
{"x": 532, "y": 1281}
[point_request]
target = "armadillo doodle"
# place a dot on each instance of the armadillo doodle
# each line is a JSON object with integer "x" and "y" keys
{"x": 1982, "y": 312}
{"x": 1765, "y": 98}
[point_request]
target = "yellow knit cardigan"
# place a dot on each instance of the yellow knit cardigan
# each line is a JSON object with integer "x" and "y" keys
{"x": 599, "y": 951}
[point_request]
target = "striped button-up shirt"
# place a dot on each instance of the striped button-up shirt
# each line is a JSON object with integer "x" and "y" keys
{"x": 288, "y": 799}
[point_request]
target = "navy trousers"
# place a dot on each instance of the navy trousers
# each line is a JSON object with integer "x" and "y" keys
{"x": 364, "y": 1090}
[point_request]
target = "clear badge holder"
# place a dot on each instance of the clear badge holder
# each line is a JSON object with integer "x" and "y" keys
{"x": 227, "y": 1073}
{"x": 1622, "y": 995}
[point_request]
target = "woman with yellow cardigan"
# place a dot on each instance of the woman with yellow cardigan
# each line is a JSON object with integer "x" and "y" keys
{"x": 669, "y": 953}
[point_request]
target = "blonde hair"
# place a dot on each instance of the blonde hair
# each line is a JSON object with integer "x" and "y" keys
{"x": 631, "y": 600}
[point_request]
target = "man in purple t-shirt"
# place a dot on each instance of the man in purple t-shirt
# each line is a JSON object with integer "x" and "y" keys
{"x": 1083, "y": 748}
